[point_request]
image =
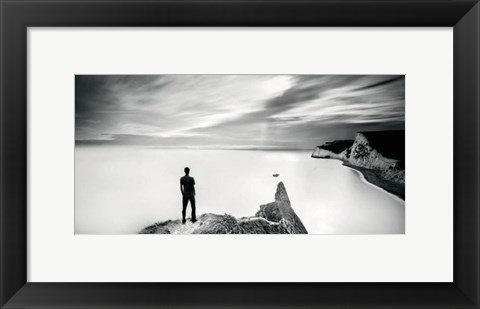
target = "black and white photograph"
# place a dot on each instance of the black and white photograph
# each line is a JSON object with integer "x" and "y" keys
{"x": 240, "y": 154}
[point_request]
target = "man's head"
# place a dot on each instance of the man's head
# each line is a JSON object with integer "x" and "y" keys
{"x": 187, "y": 171}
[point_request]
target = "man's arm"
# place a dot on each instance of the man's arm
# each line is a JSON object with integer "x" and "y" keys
{"x": 193, "y": 187}
{"x": 181, "y": 186}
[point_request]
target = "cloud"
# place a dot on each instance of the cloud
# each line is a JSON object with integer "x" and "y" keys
{"x": 385, "y": 82}
{"x": 291, "y": 111}
{"x": 382, "y": 101}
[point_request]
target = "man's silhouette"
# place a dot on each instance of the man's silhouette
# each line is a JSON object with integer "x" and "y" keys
{"x": 187, "y": 186}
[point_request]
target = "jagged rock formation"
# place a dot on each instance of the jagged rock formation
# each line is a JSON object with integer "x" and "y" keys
{"x": 277, "y": 217}
{"x": 380, "y": 156}
{"x": 384, "y": 151}
{"x": 333, "y": 150}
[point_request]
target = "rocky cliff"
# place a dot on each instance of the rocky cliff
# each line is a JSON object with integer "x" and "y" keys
{"x": 333, "y": 150}
{"x": 379, "y": 155}
{"x": 383, "y": 151}
{"x": 277, "y": 217}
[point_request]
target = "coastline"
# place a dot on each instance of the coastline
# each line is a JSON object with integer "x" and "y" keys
{"x": 374, "y": 177}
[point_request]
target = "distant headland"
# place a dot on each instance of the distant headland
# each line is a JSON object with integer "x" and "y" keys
{"x": 378, "y": 155}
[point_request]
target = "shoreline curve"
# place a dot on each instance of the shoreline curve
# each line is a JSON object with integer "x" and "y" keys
{"x": 364, "y": 179}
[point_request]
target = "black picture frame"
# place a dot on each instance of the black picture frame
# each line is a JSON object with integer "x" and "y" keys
{"x": 17, "y": 15}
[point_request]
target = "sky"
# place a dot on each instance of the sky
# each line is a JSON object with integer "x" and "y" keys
{"x": 234, "y": 111}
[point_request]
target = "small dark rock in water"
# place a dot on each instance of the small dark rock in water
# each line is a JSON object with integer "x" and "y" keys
{"x": 276, "y": 175}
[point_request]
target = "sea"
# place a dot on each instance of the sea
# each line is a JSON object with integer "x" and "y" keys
{"x": 120, "y": 190}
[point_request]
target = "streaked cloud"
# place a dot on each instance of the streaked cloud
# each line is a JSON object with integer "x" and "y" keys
{"x": 232, "y": 111}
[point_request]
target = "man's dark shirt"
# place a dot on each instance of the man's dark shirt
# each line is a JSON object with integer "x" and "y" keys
{"x": 188, "y": 184}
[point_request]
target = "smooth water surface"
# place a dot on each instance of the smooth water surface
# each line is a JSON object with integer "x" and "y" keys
{"x": 121, "y": 190}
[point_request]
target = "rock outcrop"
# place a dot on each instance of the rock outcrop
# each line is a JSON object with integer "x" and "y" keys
{"x": 379, "y": 155}
{"x": 277, "y": 217}
{"x": 333, "y": 150}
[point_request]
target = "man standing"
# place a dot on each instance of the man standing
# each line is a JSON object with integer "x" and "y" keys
{"x": 187, "y": 186}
